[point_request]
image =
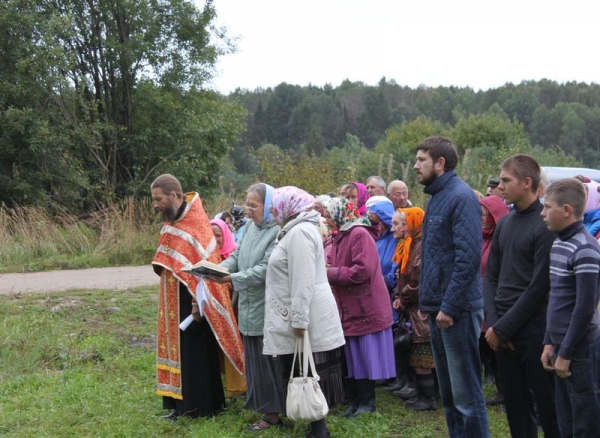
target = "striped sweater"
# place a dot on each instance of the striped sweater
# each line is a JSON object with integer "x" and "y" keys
{"x": 574, "y": 290}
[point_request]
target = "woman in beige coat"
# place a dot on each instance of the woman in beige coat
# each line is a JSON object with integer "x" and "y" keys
{"x": 299, "y": 298}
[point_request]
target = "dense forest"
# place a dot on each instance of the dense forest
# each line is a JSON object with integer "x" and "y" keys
{"x": 355, "y": 130}
{"x": 97, "y": 98}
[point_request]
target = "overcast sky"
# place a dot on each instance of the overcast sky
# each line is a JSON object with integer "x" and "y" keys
{"x": 478, "y": 43}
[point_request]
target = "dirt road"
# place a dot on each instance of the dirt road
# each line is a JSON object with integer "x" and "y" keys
{"x": 120, "y": 278}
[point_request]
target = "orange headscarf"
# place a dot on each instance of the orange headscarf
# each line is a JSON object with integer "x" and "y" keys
{"x": 414, "y": 225}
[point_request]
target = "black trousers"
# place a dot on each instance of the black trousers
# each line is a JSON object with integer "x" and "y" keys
{"x": 527, "y": 385}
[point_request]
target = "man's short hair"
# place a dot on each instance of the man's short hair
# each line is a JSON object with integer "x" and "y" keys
{"x": 568, "y": 191}
{"x": 440, "y": 147}
{"x": 380, "y": 181}
{"x": 493, "y": 182}
{"x": 168, "y": 184}
{"x": 524, "y": 166}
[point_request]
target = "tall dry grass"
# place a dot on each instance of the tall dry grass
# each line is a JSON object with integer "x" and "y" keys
{"x": 121, "y": 234}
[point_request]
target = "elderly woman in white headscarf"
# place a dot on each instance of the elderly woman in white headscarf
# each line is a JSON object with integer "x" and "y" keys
{"x": 321, "y": 203}
{"x": 299, "y": 298}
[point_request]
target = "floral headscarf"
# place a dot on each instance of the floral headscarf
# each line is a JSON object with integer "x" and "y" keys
{"x": 414, "y": 226}
{"x": 289, "y": 201}
{"x": 229, "y": 244}
{"x": 345, "y": 214}
{"x": 363, "y": 196}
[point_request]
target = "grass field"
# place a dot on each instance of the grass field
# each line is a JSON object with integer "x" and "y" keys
{"x": 81, "y": 364}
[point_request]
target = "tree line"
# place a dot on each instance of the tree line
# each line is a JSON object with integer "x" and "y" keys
{"x": 356, "y": 130}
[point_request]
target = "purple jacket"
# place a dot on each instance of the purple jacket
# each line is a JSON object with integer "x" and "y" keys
{"x": 358, "y": 285}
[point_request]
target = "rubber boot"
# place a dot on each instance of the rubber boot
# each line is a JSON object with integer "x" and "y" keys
{"x": 351, "y": 388}
{"x": 408, "y": 391}
{"x": 426, "y": 399}
{"x": 318, "y": 429}
{"x": 366, "y": 391}
{"x": 396, "y": 385}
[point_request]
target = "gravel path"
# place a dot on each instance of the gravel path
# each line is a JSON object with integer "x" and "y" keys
{"x": 120, "y": 278}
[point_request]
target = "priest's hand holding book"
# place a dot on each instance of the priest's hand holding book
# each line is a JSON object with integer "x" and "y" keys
{"x": 210, "y": 271}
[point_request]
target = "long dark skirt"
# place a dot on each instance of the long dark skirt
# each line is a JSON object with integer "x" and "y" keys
{"x": 263, "y": 375}
{"x": 202, "y": 388}
{"x": 329, "y": 369}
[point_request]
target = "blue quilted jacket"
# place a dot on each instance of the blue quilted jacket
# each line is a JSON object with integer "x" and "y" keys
{"x": 450, "y": 280}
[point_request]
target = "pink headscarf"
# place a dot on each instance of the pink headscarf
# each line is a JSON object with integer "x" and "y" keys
{"x": 229, "y": 244}
{"x": 593, "y": 198}
{"x": 288, "y": 201}
{"x": 363, "y": 195}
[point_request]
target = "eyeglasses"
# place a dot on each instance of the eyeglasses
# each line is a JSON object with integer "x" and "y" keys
{"x": 252, "y": 207}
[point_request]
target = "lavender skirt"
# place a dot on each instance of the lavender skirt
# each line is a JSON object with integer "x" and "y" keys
{"x": 371, "y": 356}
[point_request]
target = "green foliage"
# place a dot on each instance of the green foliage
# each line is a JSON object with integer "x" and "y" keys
{"x": 274, "y": 122}
{"x": 477, "y": 165}
{"x": 343, "y": 160}
{"x": 317, "y": 123}
{"x": 550, "y": 114}
{"x": 97, "y": 98}
{"x": 488, "y": 130}
{"x": 399, "y": 146}
{"x": 439, "y": 103}
{"x": 187, "y": 134}
{"x": 70, "y": 367}
{"x": 309, "y": 172}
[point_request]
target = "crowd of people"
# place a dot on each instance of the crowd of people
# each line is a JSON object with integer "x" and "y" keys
{"x": 414, "y": 299}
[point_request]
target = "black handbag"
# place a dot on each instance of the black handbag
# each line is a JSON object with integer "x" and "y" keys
{"x": 403, "y": 334}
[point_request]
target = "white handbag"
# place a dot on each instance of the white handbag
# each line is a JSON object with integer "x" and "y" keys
{"x": 305, "y": 400}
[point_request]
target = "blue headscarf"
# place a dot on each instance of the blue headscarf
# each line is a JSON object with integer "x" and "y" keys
{"x": 267, "y": 218}
{"x": 384, "y": 211}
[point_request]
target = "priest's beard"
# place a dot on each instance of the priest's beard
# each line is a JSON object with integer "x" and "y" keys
{"x": 169, "y": 214}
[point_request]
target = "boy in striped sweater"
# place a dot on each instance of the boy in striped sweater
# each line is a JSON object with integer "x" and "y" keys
{"x": 572, "y": 340}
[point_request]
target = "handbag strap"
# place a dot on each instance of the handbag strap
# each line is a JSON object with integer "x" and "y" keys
{"x": 308, "y": 359}
{"x": 297, "y": 348}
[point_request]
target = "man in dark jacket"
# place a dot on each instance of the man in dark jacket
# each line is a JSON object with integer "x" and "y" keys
{"x": 450, "y": 286}
{"x": 516, "y": 288}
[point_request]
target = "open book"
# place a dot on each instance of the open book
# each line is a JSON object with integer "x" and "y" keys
{"x": 207, "y": 268}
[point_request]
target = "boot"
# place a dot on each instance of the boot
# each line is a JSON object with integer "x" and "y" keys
{"x": 318, "y": 429}
{"x": 396, "y": 385}
{"x": 366, "y": 391}
{"x": 425, "y": 401}
{"x": 351, "y": 409}
{"x": 498, "y": 399}
{"x": 352, "y": 393}
{"x": 408, "y": 391}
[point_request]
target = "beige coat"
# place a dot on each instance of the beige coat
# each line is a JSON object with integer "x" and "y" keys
{"x": 298, "y": 294}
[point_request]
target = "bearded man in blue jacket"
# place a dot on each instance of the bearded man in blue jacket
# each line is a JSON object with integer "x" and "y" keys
{"x": 450, "y": 289}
